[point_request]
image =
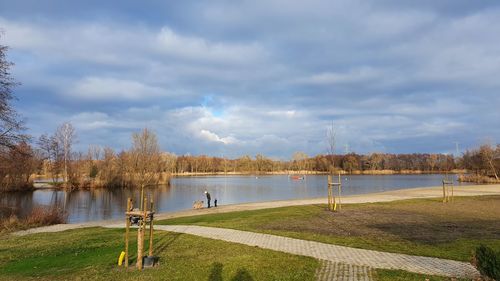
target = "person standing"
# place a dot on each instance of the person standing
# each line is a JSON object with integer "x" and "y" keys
{"x": 208, "y": 198}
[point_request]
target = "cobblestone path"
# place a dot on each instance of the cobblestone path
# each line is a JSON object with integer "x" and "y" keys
{"x": 333, "y": 271}
{"x": 356, "y": 258}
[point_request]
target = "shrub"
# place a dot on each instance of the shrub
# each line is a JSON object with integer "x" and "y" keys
{"x": 39, "y": 216}
{"x": 488, "y": 262}
{"x": 45, "y": 216}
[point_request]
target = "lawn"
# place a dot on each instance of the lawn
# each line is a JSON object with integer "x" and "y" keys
{"x": 424, "y": 227}
{"x": 91, "y": 254}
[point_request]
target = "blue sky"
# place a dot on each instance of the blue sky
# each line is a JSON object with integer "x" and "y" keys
{"x": 245, "y": 77}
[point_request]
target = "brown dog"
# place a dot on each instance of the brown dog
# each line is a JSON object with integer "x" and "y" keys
{"x": 198, "y": 204}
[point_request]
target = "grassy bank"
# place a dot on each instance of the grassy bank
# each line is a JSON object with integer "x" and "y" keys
{"x": 91, "y": 254}
{"x": 424, "y": 227}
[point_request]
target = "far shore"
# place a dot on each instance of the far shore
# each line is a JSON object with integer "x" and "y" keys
{"x": 44, "y": 182}
{"x": 386, "y": 196}
{"x": 309, "y": 172}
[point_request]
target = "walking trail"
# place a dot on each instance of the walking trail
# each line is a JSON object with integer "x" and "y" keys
{"x": 338, "y": 262}
{"x": 329, "y": 252}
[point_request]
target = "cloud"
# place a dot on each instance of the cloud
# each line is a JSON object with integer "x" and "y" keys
{"x": 207, "y": 135}
{"x": 394, "y": 76}
{"x": 352, "y": 76}
{"x": 96, "y": 88}
{"x": 195, "y": 48}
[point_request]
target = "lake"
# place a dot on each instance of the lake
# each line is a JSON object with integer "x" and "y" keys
{"x": 100, "y": 204}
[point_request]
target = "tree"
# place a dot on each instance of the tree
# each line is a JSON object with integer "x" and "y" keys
{"x": 66, "y": 136}
{"x": 350, "y": 162}
{"x": 51, "y": 155}
{"x": 146, "y": 159}
{"x": 488, "y": 156}
{"x": 331, "y": 138}
{"x": 17, "y": 163}
{"x": 11, "y": 125}
{"x": 299, "y": 158}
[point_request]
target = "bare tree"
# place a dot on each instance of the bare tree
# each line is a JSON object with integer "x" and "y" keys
{"x": 11, "y": 125}
{"x": 299, "y": 158}
{"x": 488, "y": 156}
{"x": 146, "y": 159}
{"x": 66, "y": 137}
{"x": 331, "y": 138}
{"x": 51, "y": 155}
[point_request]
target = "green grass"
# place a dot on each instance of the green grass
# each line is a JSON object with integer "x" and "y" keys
{"x": 91, "y": 254}
{"x": 399, "y": 275}
{"x": 424, "y": 227}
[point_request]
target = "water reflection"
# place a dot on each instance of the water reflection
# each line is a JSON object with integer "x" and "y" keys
{"x": 89, "y": 205}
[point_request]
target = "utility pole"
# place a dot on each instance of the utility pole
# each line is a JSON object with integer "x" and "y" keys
{"x": 456, "y": 148}
{"x": 346, "y": 146}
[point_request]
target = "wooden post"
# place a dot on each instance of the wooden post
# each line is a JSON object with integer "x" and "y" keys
{"x": 444, "y": 192}
{"x": 140, "y": 236}
{"x": 330, "y": 192}
{"x": 340, "y": 192}
{"x": 447, "y": 185}
{"x": 127, "y": 228}
{"x": 452, "y": 192}
{"x": 142, "y": 197}
{"x": 140, "y": 245}
{"x": 151, "y": 228}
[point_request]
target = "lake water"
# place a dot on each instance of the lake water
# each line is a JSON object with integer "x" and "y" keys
{"x": 100, "y": 204}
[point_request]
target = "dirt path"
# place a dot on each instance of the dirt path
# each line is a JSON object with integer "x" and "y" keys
{"x": 413, "y": 193}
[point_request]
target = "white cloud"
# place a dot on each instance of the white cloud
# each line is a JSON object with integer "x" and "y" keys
{"x": 207, "y": 135}
{"x": 196, "y": 48}
{"x": 96, "y": 88}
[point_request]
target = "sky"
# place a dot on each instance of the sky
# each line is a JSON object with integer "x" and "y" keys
{"x": 233, "y": 78}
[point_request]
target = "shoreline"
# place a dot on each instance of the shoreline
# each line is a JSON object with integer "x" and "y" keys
{"x": 308, "y": 172}
{"x": 385, "y": 196}
{"x": 49, "y": 186}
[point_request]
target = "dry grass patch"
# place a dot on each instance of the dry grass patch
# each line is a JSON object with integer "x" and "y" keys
{"x": 39, "y": 216}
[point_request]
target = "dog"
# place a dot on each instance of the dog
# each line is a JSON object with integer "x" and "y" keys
{"x": 198, "y": 204}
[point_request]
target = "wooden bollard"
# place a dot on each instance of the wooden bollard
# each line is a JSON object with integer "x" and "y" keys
{"x": 151, "y": 228}
{"x": 140, "y": 235}
{"x": 332, "y": 200}
{"x": 330, "y": 205}
{"x": 127, "y": 228}
{"x": 340, "y": 192}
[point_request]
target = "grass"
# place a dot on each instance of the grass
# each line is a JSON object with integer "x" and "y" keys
{"x": 91, "y": 254}
{"x": 421, "y": 227}
{"x": 424, "y": 227}
{"x": 400, "y": 275}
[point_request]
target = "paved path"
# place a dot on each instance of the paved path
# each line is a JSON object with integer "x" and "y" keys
{"x": 329, "y": 271}
{"x": 331, "y": 253}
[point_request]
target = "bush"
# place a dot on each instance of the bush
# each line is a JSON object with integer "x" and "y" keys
{"x": 488, "y": 262}
{"x": 39, "y": 216}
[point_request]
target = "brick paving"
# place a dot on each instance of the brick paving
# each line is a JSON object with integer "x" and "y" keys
{"x": 329, "y": 271}
{"x": 333, "y": 253}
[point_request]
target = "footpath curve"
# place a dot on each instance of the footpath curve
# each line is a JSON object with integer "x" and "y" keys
{"x": 330, "y": 252}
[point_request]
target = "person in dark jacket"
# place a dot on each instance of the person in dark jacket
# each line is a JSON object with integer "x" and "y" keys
{"x": 208, "y": 198}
